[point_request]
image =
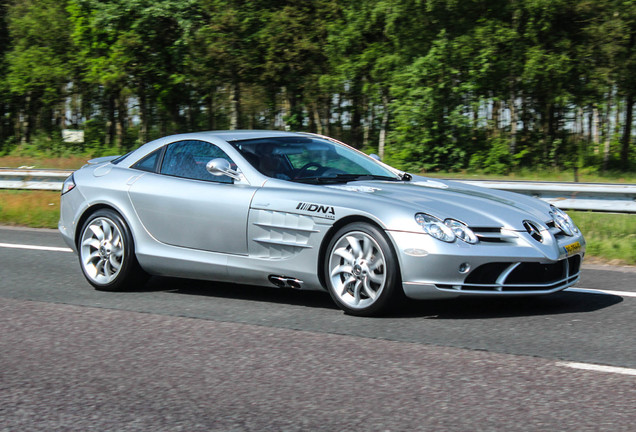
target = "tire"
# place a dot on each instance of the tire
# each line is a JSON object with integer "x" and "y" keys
{"x": 107, "y": 254}
{"x": 361, "y": 270}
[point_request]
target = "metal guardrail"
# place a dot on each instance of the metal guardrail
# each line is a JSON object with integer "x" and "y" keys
{"x": 16, "y": 178}
{"x": 620, "y": 198}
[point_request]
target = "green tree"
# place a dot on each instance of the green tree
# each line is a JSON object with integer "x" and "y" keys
{"x": 38, "y": 63}
{"x": 136, "y": 49}
{"x": 225, "y": 51}
{"x": 293, "y": 40}
{"x": 5, "y": 106}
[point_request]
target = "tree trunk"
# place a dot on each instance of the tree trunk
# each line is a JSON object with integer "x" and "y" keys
{"x": 235, "y": 106}
{"x": 110, "y": 123}
{"x": 211, "y": 113}
{"x": 143, "y": 113}
{"x": 26, "y": 121}
{"x": 496, "y": 109}
{"x": 384, "y": 125}
{"x": 294, "y": 116}
{"x": 596, "y": 136}
{"x": 317, "y": 121}
{"x": 327, "y": 116}
{"x": 513, "y": 124}
{"x": 122, "y": 113}
{"x": 608, "y": 133}
{"x": 368, "y": 126}
{"x": 356, "y": 115}
{"x": 546, "y": 130}
{"x": 627, "y": 131}
{"x": 337, "y": 127}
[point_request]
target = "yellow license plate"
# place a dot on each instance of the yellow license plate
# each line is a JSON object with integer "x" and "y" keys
{"x": 572, "y": 248}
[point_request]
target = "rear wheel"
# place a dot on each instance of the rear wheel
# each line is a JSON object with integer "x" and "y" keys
{"x": 361, "y": 270}
{"x": 107, "y": 255}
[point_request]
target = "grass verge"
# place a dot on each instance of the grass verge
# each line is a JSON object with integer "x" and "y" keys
{"x": 523, "y": 174}
{"x": 38, "y": 209}
{"x": 68, "y": 163}
{"x": 610, "y": 237}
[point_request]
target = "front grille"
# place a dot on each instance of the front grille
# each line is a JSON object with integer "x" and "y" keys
{"x": 492, "y": 235}
{"x": 520, "y": 276}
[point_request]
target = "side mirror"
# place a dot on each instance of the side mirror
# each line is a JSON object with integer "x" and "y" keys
{"x": 220, "y": 166}
{"x": 375, "y": 156}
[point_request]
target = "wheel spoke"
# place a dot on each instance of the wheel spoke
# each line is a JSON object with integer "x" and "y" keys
{"x": 92, "y": 242}
{"x": 117, "y": 250}
{"x": 91, "y": 257}
{"x": 379, "y": 262}
{"x": 368, "y": 290}
{"x": 114, "y": 263}
{"x": 97, "y": 231}
{"x": 367, "y": 248}
{"x": 345, "y": 268}
{"x": 108, "y": 232}
{"x": 107, "y": 270}
{"x": 345, "y": 285}
{"x": 356, "y": 292}
{"x": 345, "y": 254}
{"x": 100, "y": 267}
{"x": 116, "y": 241}
{"x": 355, "y": 246}
{"x": 375, "y": 277}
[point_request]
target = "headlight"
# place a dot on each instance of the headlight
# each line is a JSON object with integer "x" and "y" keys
{"x": 461, "y": 231}
{"x": 68, "y": 185}
{"x": 435, "y": 227}
{"x": 563, "y": 221}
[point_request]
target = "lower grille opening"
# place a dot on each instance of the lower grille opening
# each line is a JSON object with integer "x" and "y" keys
{"x": 533, "y": 273}
{"x": 487, "y": 273}
{"x": 575, "y": 264}
{"x": 526, "y": 276}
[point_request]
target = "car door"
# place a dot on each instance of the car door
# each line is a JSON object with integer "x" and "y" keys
{"x": 180, "y": 203}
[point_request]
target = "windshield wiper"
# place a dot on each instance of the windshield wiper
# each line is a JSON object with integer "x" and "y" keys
{"x": 344, "y": 178}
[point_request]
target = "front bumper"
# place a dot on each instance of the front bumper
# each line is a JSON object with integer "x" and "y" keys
{"x": 432, "y": 269}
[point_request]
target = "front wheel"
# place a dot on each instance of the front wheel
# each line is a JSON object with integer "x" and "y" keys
{"x": 361, "y": 270}
{"x": 106, "y": 253}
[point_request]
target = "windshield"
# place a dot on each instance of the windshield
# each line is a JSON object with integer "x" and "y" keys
{"x": 310, "y": 160}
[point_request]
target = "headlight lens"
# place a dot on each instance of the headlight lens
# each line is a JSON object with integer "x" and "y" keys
{"x": 461, "y": 231}
{"x": 435, "y": 227}
{"x": 68, "y": 185}
{"x": 563, "y": 221}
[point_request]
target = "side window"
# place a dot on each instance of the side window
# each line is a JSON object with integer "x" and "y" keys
{"x": 187, "y": 159}
{"x": 149, "y": 163}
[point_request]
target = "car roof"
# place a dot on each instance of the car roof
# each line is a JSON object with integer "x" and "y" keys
{"x": 235, "y": 135}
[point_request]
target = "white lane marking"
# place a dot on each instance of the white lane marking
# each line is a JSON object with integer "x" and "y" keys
{"x": 599, "y": 291}
{"x": 34, "y": 247}
{"x": 599, "y": 368}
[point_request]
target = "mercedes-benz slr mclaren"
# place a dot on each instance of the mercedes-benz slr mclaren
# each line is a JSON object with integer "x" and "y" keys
{"x": 303, "y": 211}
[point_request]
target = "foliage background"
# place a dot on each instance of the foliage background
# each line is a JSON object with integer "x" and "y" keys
{"x": 490, "y": 85}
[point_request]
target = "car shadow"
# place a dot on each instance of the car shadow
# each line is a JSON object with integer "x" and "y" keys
{"x": 564, "y": 302}
{"x": 272, "y": 294}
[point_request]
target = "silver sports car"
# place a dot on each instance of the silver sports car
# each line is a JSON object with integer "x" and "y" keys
{"x": 304, "y": 211}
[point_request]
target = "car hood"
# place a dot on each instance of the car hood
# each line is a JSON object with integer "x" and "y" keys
{"x": 473, "y": 205}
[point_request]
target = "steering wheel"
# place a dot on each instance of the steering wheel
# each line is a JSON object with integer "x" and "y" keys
{"x": 304, "y": 168}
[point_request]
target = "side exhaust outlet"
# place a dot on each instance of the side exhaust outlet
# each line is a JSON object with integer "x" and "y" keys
{"x": 285, "y": 281}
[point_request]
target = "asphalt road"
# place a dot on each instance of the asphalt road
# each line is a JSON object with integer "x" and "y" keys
{"x": 197, "y": 356}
